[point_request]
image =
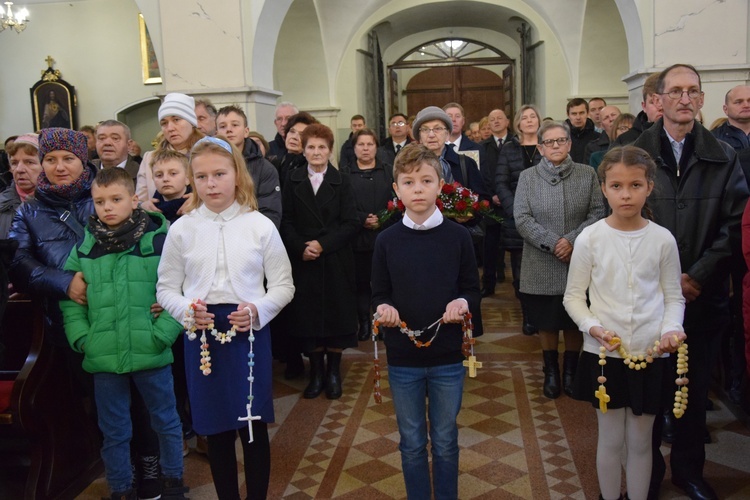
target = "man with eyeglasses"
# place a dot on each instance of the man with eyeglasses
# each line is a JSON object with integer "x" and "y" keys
{"x": 700, "y": 195}
{"x": 399, "y": 138}
{"x": 284, "y": 111}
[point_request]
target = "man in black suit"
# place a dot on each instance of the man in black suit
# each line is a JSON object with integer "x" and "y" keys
{"x": 457, "y": 136}
{"x": 399, "y": 130}
{"x": 112, "y": 139}
{"x": 492, "y": 272}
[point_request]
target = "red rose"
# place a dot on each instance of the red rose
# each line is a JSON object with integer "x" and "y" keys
{"x": 448, "y": 188}
{"x": 475, "y": 206}
{"x": 461, "y": 206}
{"x": 485, "y": 204}
{"x": 439, "y": 203}
{"x": 390, "y": 205}
{"x": 400, "y": 205}
{"x": 463, "y": 193}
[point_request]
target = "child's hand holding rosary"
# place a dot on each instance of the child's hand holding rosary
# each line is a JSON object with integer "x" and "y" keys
{"x": 240, "y": 318}
{"x": 669, "y": 342}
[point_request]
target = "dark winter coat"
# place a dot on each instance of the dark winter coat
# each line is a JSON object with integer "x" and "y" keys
{"x": 373, "y": 189}
{"x": 266, "y": 180}
{"x": 732, "y": 136}
{"x": 489, "y": 170}
{"x": 347, "y": 157}
{"x": 702, "y": 207}
{"x": 44, "y": 243}
{"x": 9, "y": 202}
{"x": 324, "y": 303}
{"x": 116, "y": 331}
{"x": 277, "y": 146}
{"x": 510, "y": 164}
{"x": 387, "y": 153}
{"x": 580, "y": 137}
{"x": 600, "y": 144}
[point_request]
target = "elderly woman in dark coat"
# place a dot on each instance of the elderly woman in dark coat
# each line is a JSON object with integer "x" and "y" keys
{"x": 25, "y": 168}
{"x": 372, "y": 182}
{"x": 318, "y": 225}
{"x": 517, "y": 154}
{"x": 555, "y": 201}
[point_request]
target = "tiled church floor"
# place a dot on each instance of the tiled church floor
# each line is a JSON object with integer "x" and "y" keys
{"x": 515, "y": 443}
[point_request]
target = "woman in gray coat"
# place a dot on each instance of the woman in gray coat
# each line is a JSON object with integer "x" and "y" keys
{"x": 555, "y": 201}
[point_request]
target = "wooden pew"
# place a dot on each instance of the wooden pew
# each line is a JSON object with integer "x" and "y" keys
{"x": 49, "y": 442}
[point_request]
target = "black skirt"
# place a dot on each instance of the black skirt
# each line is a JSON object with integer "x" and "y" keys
{"x": 546, "y": 312}
{"x": 640, "y": 390}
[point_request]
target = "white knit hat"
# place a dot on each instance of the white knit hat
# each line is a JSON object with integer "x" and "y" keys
{"x": 181, "y": 105}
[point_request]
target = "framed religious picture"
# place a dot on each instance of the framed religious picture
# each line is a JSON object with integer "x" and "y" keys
{"x": 149, "y": 63}
{"x": 53, "y": 100}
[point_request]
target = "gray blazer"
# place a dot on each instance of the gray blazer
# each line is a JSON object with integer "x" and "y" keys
{"x": 552, "y": 203}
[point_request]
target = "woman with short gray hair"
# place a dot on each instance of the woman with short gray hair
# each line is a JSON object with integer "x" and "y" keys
{"x": 555, "y": 201}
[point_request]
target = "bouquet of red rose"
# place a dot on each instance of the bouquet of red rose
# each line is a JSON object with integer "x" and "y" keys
{"x": 459, "y": 202}
{"x": 390, "y": 210}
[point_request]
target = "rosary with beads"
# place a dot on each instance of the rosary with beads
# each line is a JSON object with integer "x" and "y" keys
{"x": 467, "y": 346}
{"x": 640, "y": 362}
{"x": 188, "y": 321}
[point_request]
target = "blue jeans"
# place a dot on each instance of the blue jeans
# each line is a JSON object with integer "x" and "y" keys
{"x": 112, "y": 393}
{"x": 443, "y": 386}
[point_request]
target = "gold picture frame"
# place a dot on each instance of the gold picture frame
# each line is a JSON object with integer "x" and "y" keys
{"x": 149, "y": 63}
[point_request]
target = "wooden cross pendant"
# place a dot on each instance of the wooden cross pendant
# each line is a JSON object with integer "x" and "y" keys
{"x": 472, "y": 364}
{"x": 603, "y": 398}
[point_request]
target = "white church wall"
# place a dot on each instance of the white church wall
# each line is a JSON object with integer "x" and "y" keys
{"x": 94, "y": 44}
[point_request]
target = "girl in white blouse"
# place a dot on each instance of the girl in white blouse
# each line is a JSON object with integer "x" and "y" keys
{"x": 212, "y": 272}
{"x": 631, "y": 270}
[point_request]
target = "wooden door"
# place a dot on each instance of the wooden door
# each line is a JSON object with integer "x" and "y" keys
{"x": 478, "y": 90}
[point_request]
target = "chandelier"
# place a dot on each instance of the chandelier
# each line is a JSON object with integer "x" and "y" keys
{"x": 17, "y": 22}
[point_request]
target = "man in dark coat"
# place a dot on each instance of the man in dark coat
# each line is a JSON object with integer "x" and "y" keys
{"x": 581, "y": 128}
{"x": 399, "y": 130}
{"x": 651, "y": 111}
{"x": 112, "y": 138}
{"x": 493, "y": 271}
{"x": 700, "y": 198}
{"x": 458, "y": 120}
{"x": 608, "y": 115}
{"x": 284, "y": 111}
{"x": 736, "y": 130}
{"x": 347, "y": 157}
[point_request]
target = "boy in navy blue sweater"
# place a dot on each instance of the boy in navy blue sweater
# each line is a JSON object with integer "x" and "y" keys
{"x": 424, "y": 269}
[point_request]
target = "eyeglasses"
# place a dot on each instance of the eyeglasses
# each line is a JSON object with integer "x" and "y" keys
{"x": 435, "y": 130}
{"x": 562, "y": 141}
{"x": 677, "y": 94}
{"x": 398, "y": 124}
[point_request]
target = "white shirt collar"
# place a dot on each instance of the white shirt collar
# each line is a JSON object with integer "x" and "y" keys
{"x": 457, "y": 142}
{"x": 432, "y": 221}
{"x": 227, "y": 214}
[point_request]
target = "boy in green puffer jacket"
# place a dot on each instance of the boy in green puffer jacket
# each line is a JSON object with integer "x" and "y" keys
{"x": 120, "y": 338}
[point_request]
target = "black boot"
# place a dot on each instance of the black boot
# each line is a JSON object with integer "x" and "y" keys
{"x": 526, "y": 327}
{"x": 315, "y": 387}
{"x": 333, "y": 375}
{"x": 551, "y": 374}
{"x": 174, "y": 489}
{"x": 365, "y": 328}
{"x": 570, "y": 365}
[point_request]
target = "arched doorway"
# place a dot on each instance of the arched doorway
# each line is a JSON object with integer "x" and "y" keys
{"x": 473, "y": 74}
